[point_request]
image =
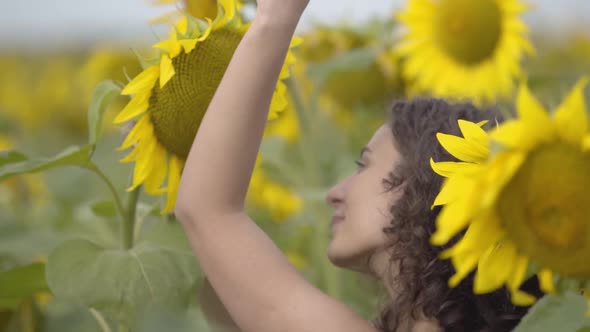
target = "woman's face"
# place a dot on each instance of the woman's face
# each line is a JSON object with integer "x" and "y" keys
{"x": 361, "y": 205}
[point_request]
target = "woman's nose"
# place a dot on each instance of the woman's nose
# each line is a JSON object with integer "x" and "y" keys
{"x": 335, "y": 195}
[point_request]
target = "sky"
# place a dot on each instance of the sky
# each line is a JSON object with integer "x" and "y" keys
{"x": 62, "y": 23}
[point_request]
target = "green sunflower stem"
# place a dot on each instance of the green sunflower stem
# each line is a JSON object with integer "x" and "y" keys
{"x": 118, "y": 202}
{"x": 129, "y": 219}
{"x": 298, "y": 106}
{"x": 312, "y": 170}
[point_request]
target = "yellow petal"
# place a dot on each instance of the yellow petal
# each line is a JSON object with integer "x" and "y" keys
{"x": 172, "y": 47}
{"x": 473, "y": 132}
{"x": 521, "y": 298}
{"x": 453, "y": 218}
{"x": 154, "y": 181}
{"x": 451, "y": 168}
{"x": 295, "y": 42}
{"x": 206, "y": 33}
{"x": 570, "y": 117}
{"x": 181, "y": 26}
{"x": 586, "y": 143}
{"x": 482, "y": 233}
{"x": 188, "y": 45}
{"x": 452, "y": 189}
{"x": 143, "y": 82}
{"x": 134, "y": 135}
{"x": 166, "y": 70}
{"x": 174, "y": 172}
{"x": 131, "y": 156}
{"x": 494, "y": 268}
{"x": 137, "y": 105}
{"x": 143, "y": 164}
{"x": 464, "y": 264}
{"x": 512, "y": 134}
{"x": 461, "y": 148}
{"x": 518, "y": 274}
{"x": 546, "y": 281}
{"x": 530, "y": 110}
{"x": 229, "y": 9}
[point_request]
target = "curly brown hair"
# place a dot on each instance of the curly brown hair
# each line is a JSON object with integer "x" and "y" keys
{"x": 419, "y": 272}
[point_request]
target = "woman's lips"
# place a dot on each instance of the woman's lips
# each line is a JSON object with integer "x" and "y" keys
{"x": 336, "y": 220}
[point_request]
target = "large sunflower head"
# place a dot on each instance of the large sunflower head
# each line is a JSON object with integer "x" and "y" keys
{"x": 171, "y": 96}
{"x": 464, "y": 48}
{"x": 525, "y": 203}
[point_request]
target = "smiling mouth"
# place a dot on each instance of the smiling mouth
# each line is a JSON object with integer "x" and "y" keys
{"x": 336, "y": 220}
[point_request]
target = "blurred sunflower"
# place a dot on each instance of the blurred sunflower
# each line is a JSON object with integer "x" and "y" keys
{"x": 286, "y": 125}
{"x": 379, "y": 73}
{"x": 279, "y": 200}
{"x": 39, "y": 91}
{"x": 16, "y": 101}
{"x": 106, "y": 62}
{"x": 526, "y": 202}
{"x": 463, "y": 48}
{"x": 171, "y": 97}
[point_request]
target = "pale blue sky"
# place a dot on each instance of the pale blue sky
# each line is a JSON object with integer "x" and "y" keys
{"x": 58, "y": 23}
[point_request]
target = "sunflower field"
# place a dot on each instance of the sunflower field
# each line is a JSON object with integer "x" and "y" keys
{"x": 93, "y": 141}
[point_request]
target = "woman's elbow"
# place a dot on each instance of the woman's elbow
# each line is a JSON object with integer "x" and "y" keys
{"x": 185, "y": 208}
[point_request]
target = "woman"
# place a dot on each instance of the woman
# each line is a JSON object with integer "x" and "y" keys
{"x": 382, "y": 218}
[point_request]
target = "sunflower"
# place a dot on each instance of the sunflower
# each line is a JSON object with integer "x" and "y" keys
{"x": 196, "y": 8}
{"x": 463, "y": 48}
{"x": 171, "y": 96}
{"x": 525, "y": 203}
{"x": 277, "y": 199}
{"x": 379, "y": 72}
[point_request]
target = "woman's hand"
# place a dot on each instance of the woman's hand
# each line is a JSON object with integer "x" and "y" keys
{"x": 285, "y": 11}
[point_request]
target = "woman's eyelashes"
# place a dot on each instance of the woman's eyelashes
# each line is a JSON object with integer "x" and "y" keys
{"x": 360, "y": 165}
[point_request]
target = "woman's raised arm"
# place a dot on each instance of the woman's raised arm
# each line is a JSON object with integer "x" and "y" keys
{"x": 255, "y": 282}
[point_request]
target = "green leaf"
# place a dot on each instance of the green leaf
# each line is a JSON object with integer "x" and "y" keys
{"x": 72, "y": 156}
{"x": 357, "y": 59}
{"x": 566, "y": 312}
{"x": 106, "y": 209}
{"x": 120, "y": 283}
{"x": 9, "y": 157}
{"x": 103, "y": 95}
{"x": 20, "y": 283}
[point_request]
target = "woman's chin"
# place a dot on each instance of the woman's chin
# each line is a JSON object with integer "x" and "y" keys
{"x": 346, "y": 260}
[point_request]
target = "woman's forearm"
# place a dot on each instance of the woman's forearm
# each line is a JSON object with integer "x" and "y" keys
{"x": 223, "y": 154}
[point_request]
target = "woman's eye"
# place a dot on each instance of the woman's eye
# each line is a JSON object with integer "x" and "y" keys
{"x": 359, "y": 164}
